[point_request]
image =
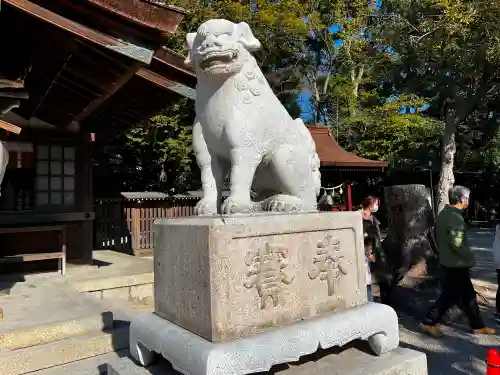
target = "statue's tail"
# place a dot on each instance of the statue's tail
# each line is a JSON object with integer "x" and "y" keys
{"x": 315, "y": 170}
{"x": 314, "y": 161}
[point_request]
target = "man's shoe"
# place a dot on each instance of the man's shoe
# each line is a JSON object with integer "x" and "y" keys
{"x": 485, "y": 331}
{"x": 433, "y": 331}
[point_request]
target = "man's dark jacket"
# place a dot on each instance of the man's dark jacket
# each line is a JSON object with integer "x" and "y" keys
{"x": 451, "y": 238}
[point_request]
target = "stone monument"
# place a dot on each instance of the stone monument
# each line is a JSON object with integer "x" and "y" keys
{"x": 266, "y": 281}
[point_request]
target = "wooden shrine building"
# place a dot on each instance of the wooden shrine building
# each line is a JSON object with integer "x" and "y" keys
{"x": 340, "y": 167}
{"x": 88, "y": 69}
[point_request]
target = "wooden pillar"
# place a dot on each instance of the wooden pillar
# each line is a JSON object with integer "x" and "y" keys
{"x": 349, "y": 197}
{"x": 16, "y": 130}
{"x": 84, "y": 195}
{"x": 135, "y": 230}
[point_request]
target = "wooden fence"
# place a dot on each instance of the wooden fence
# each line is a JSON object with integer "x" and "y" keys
{"x": 127, "y": 225}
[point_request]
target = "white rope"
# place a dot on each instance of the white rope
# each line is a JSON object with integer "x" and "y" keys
{"x": 333, "y": 188}
{"x": 329, "y": 193}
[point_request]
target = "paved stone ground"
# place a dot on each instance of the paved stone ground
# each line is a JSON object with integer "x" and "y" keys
{"x": 459, "y": 352}
{"x": 481, "y": 241}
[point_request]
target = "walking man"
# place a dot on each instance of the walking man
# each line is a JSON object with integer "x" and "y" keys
{"x": 456, "y": 260}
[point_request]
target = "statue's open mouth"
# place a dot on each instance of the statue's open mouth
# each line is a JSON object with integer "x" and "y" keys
{"x": 217, "y": 59}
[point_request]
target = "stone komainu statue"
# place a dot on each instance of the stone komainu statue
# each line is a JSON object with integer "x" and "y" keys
{"x": 241, "y": 127}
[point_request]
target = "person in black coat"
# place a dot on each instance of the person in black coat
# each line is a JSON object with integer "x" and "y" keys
{"x": 371, "y": 232}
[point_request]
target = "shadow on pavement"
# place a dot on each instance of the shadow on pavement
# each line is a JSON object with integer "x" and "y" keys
{"x": 459, "y": 351}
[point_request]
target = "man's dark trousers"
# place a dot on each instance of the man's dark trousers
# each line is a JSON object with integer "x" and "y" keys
{"x": 456, "y": 289}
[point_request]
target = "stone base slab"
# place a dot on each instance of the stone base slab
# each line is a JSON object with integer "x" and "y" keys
{"x": 193, "y": 355}
{"x": 350, "y": 361}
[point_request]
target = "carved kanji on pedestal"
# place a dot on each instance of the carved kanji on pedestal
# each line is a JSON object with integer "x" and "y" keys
{"x": 329, "y": 265}
{"x": 267, "y": 271}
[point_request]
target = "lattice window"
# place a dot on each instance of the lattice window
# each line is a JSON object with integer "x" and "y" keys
{"x": 55, "y": 176}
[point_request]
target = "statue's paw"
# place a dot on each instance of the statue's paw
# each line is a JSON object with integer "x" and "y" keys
{"x": 206, "y": 207}
{"x": 283, "y": 203}
{"x": 236, "y": 205}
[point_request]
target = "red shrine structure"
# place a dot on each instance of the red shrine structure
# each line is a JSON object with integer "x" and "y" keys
{"x": 340, "y": 167}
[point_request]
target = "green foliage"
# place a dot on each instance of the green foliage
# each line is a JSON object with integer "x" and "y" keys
{"x": 447, "y": 50}
{"x": 157, "y": 154}
{"x": 492, "y": 152}
{"x": 349, "y": 84}
{"x": 406, "y": 140}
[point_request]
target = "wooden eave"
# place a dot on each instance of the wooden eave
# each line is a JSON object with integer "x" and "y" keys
{"x": 152, "y": 14}
{"x": 145, "y": 95}
{"x": 80, "y": 31}
{"x": 331, "y": 154}
{"x": 136, "y": 19}
{"x": 138, "y": 100}
{"x": 174, "y": 61}
{"x": 167, "y": 71}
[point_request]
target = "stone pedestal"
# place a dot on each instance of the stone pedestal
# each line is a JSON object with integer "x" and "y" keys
{"x": 224, "y": 278}
{"x": 235, "y": 295}
{"x": 193, "y": 355}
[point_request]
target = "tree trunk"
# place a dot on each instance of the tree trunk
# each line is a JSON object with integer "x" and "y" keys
{"x": 356, "y": 80}
{"x": 448, "y": 150}
{"x": 409, "y": 248}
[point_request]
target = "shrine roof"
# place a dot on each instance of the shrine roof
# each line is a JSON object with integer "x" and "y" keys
{"x": 331, "y": 154}
{"x": 140, "y": 18}
{"x": 99, "y": 63}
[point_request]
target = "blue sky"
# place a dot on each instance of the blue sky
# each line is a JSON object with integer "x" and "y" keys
{"x": 306, "y": 109}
